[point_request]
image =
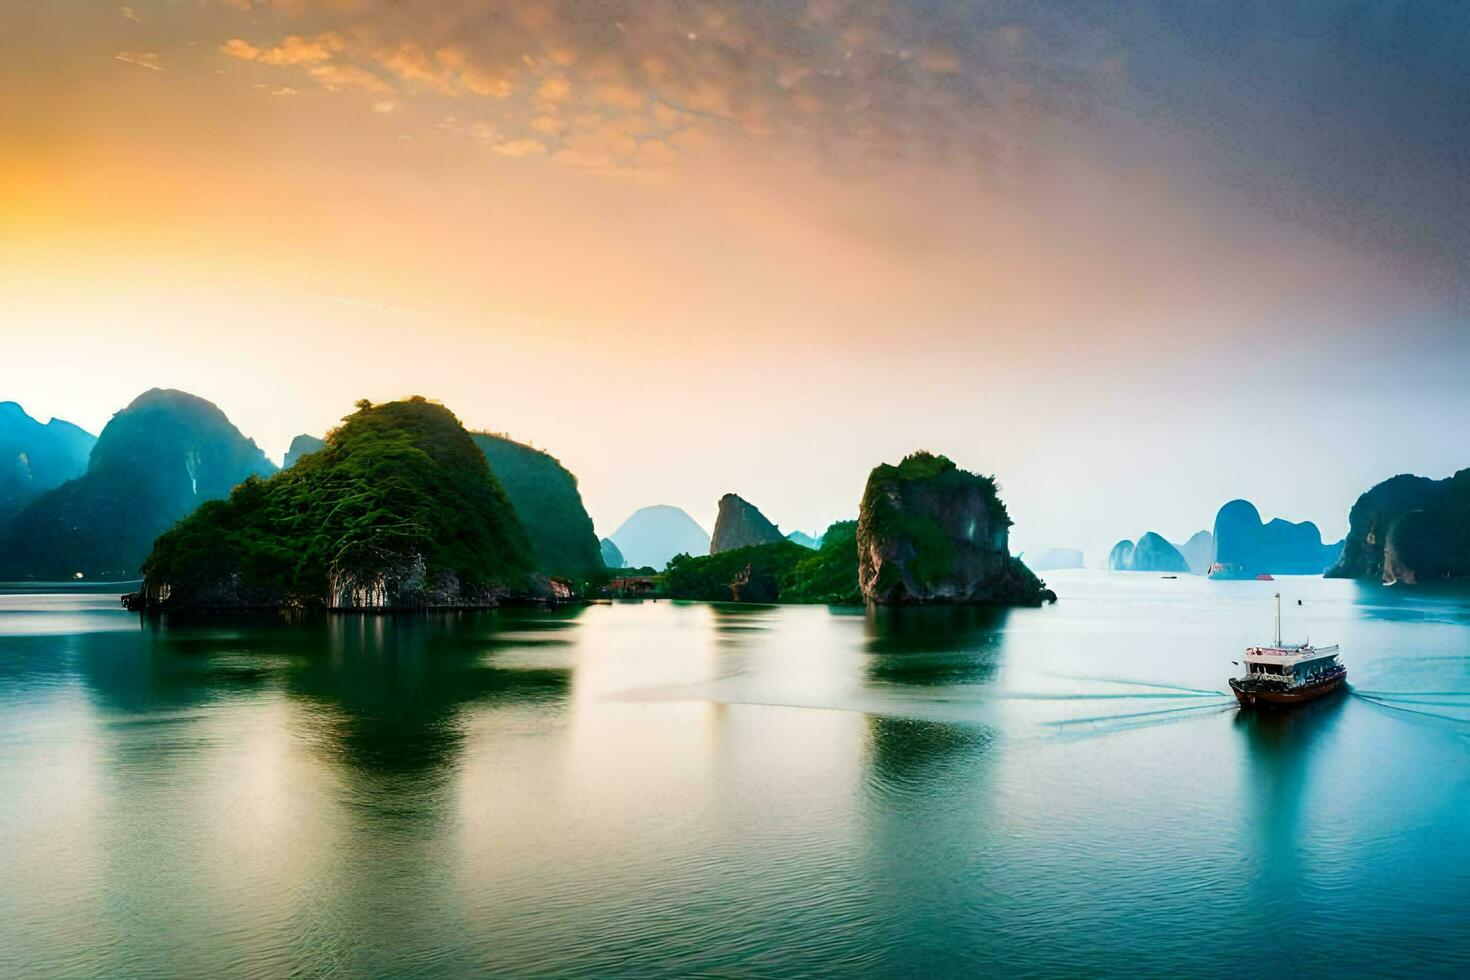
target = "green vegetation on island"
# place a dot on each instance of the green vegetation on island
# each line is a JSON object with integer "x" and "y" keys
{"x": 400, "y": 509}
{"x": 830, "y": 573}
{"x": 782, "y": 571}
{"x": 546, "y": 499}
{"x": 930, "y": 532}
{"x": 750, "y": 574}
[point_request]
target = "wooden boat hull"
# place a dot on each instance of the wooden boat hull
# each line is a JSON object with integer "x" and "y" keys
{"x": 1263, "y": 696}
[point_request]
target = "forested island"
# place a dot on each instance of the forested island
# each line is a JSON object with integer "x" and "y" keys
{"x": 399, "y": 509}
{"x": 1409, "y": 529}
{"x": 402, "y": 507}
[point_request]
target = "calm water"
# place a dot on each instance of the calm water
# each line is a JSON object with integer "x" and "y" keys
{"x": 671, "y": 789}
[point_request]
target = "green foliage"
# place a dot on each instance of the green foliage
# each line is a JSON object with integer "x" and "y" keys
{"x": 885, "y": 518}
{"x": 752, "y": 574}
{"x": 396, "y": 483}
{"x": 782, "y": 571}
{"x": 829, "y": 574}
{"x": 547, "y": 500}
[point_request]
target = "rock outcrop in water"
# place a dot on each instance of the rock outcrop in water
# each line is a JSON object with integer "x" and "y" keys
{"x": 400, "y": 510}
{"x": 549, "y": 505}
{"x": 740, "y": 524}
{"x": 35, "y": 458}
{"x": 1245, "y": 547}
{"x": 655, "y": 534}
{"x": 1150, "y": 554}
{"x": 1409, "y": 529}
{"x": 154, "y": 462}
{"x": 930, "y": 532}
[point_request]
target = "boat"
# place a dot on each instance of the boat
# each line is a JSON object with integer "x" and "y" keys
{"x": 1284, "y": 674}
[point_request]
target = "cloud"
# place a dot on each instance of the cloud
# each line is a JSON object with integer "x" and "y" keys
{"x": 1271, "y": 105}
{"x": 521, "y": 148}
{"x": 239, "y": 48}
{"x": 339, "y": 78}
{"x": 128, "y": 13}
{"x": 143, "y": 59}
{"x": 292, "y": 50}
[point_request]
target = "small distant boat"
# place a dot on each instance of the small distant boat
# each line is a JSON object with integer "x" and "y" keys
{"x": 1285, "y": 674}
{"x": 1265, "y": 577}
{"x": 1168, "y": 576}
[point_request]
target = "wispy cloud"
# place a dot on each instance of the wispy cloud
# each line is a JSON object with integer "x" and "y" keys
{"x": 143, "y": 59}
{"x": 842, "y": 77}
{"x": 128, "y": 13}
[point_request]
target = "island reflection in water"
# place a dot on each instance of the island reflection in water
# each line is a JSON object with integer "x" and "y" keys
{"x": 664, "y": 789}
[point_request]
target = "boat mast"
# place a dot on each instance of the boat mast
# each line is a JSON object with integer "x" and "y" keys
{"x": 1278, "y": 619}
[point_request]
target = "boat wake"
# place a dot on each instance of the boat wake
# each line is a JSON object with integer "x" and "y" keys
{"x": 1132, "y": 682}
{"x": 1414, "y": 703}
{"x": 1110, "y": 724}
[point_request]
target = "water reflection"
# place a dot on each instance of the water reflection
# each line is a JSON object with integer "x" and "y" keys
{"x": 910, "y": 758}
{"x": 933, "y": 645}
{"x": 392, "y": 694}
{"x": 1281, "y": 748}
{"x": 670, "y": 789}
{"x": 380, "y": 693}
{"x": 1439, "y": 602}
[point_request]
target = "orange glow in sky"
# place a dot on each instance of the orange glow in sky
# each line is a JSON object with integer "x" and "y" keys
{"x": 692, "y": 250}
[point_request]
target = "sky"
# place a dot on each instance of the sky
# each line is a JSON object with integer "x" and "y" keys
{"x": 1133, "y": 259}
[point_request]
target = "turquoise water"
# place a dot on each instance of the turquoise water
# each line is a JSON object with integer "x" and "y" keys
{"x": 664, "y": 789}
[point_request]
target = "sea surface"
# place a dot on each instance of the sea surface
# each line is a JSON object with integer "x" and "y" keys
{"x": 680, "y": 789}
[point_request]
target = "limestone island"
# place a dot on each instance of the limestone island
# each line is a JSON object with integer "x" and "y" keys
{"x": 932, "y": 533}
{"x": 398, "y": 510}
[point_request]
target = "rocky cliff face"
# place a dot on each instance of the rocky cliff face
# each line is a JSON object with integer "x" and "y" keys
{"x": 1120, "y": 558}
{"x": 1154, "y": 554}
{"x": 1409, "y": 529}
{"x": 611, "y": 556}
{"x": 1151, "y": 554}
{"x": 930, "y": 532}
{"x": 35, "y": 458}
{"x": 741, "y": 525}
{"x": 1246, "y": 546}
{"x": 299, "y": 447}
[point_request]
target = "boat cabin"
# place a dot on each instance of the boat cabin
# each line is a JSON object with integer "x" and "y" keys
{"x": 1291, "y": 664}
